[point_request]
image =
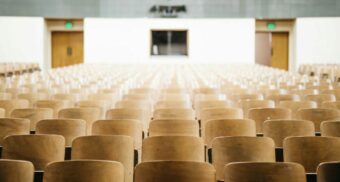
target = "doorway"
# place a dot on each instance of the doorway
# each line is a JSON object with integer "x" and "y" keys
{"x": 67, "y": 48}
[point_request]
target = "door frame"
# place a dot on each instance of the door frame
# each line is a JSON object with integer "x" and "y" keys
{"x": 282, "y": 25}
{"x": 57, "y": 25}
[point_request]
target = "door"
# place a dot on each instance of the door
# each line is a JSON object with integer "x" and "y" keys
{"x": 280, "y": 50}
{"x": 67, "y": 48}
{"x": 263, "y": 48}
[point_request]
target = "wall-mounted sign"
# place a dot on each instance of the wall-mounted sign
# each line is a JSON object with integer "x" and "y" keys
{"x": 68, "y": 25}
{"x": 271, "y": 26}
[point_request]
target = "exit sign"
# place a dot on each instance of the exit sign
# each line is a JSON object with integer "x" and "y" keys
{"x": 68, "y": 25}
{"x": 271, "y": 26}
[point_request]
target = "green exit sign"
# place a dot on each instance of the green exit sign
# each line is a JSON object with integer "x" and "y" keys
{"x": 271, "y": 26}
{"x": 68, "y": 25}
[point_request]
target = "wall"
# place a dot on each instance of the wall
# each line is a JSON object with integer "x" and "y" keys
{"x": 21, "y": 39}
{"x": 318, "y": 40}
{"x": 210, "y": 40}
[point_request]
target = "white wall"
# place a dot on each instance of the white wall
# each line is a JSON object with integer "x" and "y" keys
{"x": 210, "y": 40}
{"x": 21, "y": 39}
{"x": 318, "y": 40}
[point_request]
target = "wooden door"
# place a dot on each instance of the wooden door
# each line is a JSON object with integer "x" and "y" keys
{"x": 280, "y": 50}
{"x": 67, "y": 48}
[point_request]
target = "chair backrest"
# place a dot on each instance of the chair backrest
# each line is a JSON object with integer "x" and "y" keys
{"x": 5, "y": 96}
{"x": 174, "y": 127}
{"x": 248, "y": 96}
{"x": 129, "y": 113}
{"x": 87, "y": 114}
{"x": 174, "y": 113}
{"x": 16, "y": 171}
{"x": 311, "y": 151}
{"x": 320, "y": 98}
{"x": 128, "y": 127}
{"x": 10, "y": 105}
{"x": 170, "y": 171}
{"x": 207, "y": 104}
{"x": 84, "y": 171}
{"x": 33, "y": 114}
{"x": 318, "y": 115}
{"x": 246, "y": 105}
{"x": 176, "y": 148}
{"x": 331, "y": 105}
{"x": 102, "y": 105}
{"x": 55, "y": 105}
{"x": 68, "y": 128}
{"x": 240, "y": 149}
{"x": 264, "y": 172}
{"x": 66, "y": 96}
{"x": 113, "y": 148}
{"x": 277, "y": 98}
{"x": 173, "y": 104}
{"x": 328, "y": 172}
{"x": 38, "y": 149}
{"x": 260, "y": 115}
{"x": 13, "y": 126}
{"x": 2, "y": 113}
{"x": 228, "y": 127}
{"x": 294, "y": 106}
{"x": 330, "y": 128}
{"x": 32, "y": 97}
{"x": 279, "y": 129}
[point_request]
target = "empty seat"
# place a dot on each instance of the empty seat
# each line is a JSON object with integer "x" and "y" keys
{"x": 113, "y": 148}
{"x": 260, "y": 115}
{"x": 328, "y": 172}
{"x": 175, "y": 148}
{"x": 32, "y": 97}
{"x": 330, "y": 128}
{"x": 16, "y": 171}
{"x": 171, "y": 171}
{"x": 219, "y": 113}
{"x": 239, "y": 97}
{"x": 240, "y": 149}
{"x": 320, "y": 98}
{"x": 173, "y": 127}
{"x": 294, "y": 106}
{"x": 331, "y": 105}
{"x": 246, "y": 105}
{"x": 13, "y": 126}
{"x": 38, "y": 149}
{"x": 228, "y": 127}
{"x": 84, "y": 171}
{"x": 311, "y": 151}
{"x": 10, "y": 105}
{"x": 172, "y": 104}
{"x": 174, "y": 113}
{"x": 68, "y": 128}
{"x": 129, "y": 113}
{"x": 318, "y": 115}
{"x": 33, "y": 114}
{"x": 264, "y": 172}
{"x": 102, "y": 105}
{"x": 208, "y": 104}
{"x": 55, "y": 105}
{"x": 277, "y": 98}
{"x": 279, "y": 129}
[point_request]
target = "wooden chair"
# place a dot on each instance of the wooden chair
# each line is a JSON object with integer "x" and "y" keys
{"x": 87, "y": 114}
{"x": 331, "y": 105}
{"x": 240, "y": 149}
{"x": 38, "y": 149}
{"x": 311, "y": 151}
{"x": 264, "y": 172}
{"x": 13, "y": 126}
{"x": 328, "y": 172}
{"x": 10, "y": 105}
{"x": 113, "y": 148}
{"x": 249, "y": 96}
{"x": 208, "y": 104}
{"x": 33, "y": 114}
{"x": 129, "y": 113}
{"x": 318, "y": 115}
{"x": 174, "y": 127}
{"x": 102, "y": 105}
{"x": 16, "y": 171}
{"x": 71, "y": 98}
{"x": 173, "y": 104}
{"x": 55, "y": 105}
{"x": 84, "y": 171}
{"x": 2, "y": 113}
{"x": 170, "y": 171}
{"x": 32, "y": 97}
{"x": 128, "y": 127}
{"x": 320, "y": 98}
{"x": 260, "y": 115}
{"x": 174, "y": 113}
{"x": 175, "y": 148}
{"x": 68, "y": 128}
{"x": 294, "y": 106}
{"x": 5, "y": 96}
{"x": 246, "y": 105}
{"x": 330, "y": 128}
{"x": 280, "y": 129}
{"x": 277, "y": 98}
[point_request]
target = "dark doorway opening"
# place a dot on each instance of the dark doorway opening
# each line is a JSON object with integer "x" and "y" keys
{"x": 169, "y": 42}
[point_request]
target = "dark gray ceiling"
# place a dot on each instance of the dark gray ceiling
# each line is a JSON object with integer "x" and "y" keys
{"x": 195, "y": 8}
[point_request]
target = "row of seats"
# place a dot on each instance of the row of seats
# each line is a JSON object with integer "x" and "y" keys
{"x": 9, "y": 69}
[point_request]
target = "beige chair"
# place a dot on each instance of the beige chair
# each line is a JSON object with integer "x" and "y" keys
{"x": 113, "y": 148}
{"x": 328, "y": 172}
{"x": 84, "y": 171}
{"x": 294, "y": 106}
{"x": 246, "y": 105}
{"x": 68, "y": 128}
{"x": 311, "y": 151}
{"x": 174, "y": 171}
{"x": 13, "y": 126}
{"x": 207, "y": 104}
{"x": 174, "y": 113}
{"x": 16, "y": 171}
{"x": 173, "y": 104}
{"x": 71, "y": 98}
{"x": 264, "y": 172}
{"x": 32, "y": 97}
{"x": 239, "y": 97}
{"x": 318, "y": 115}
{"x": 330, "y": 128}
{"x": 5, "y": 96}
{"x": 175, "y": 148}
{"x": 174, "y": 127}
{"x": 129, "y": 113}
{"x": 320, "y": 98}
{"x": 102, "y": 105}
{"x": 55, "y": 105}
{"x": 260, "y": 115}
{"x": 38, "y": 149}
{"x": 33, "y": 114}
{"x": 240, "y": 149}
{"x": 228, "y": 127}
{"x": 87, "y": 114}
{"x": 10, "y": 105}
{"x": 280, "y": 129}
{"x": 2, "y": 113}
{"x": 277, "y": 98}
{"x": 128, "y": 127}
{"x": 331, "y": 105}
